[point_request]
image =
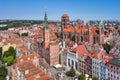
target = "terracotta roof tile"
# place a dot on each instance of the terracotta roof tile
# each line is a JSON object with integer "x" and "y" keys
{"x": 80, "y": 50}
{"x": 13, "y": 41}
{"x": 23, "y": 48}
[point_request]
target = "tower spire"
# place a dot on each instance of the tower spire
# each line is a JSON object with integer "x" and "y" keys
{"x": 45, "y": 21}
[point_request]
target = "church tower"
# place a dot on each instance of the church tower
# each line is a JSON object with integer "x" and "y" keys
{"x": 90, "y": 36}
{"x": 46, "y": 33}
{"x": 64, "y": 23}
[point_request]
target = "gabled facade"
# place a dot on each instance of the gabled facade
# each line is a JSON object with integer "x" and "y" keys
{"x": 98, "y": 66}
{"x": 80, "y": 59}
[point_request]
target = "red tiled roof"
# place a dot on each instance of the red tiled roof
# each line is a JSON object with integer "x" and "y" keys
{"x": 65, "y": 15}
{"x": 80, "y": 50}
{"x": 99, "y": 55}
{"x": 93, "y": 30}
{"x": 37, "y": 35}
{"x": 13, "y": 41}
{"x": 81, "y": 28}
{"x": 107, "y": 59}
{"x": 69, "y": 29}
{"x": 23, "y": 48}
{"x": 25, "y": 57}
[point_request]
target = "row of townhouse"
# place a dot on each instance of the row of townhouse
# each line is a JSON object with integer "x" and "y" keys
{"x": 95, "y": 64}
{"x": 27, "y": 68}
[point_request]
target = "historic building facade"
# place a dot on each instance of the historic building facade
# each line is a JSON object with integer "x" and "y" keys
{"x": 50, "y": 48}
{"x": 113, "y": 69}
{"x": 80, "y": 59}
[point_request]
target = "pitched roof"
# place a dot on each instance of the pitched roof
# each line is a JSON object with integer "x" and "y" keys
{"x": 23, "y": 48}
{"x": 27, "y": 57}
{"x": 115, "y": 61}
{"x": 30, "y": 72}
{"x": 14, "y": 41}
{"x": 80, "y": 50}
{"x": 99, "y": 55}
{"x": 69, "y": 29}
{"x": 107, "y": 59}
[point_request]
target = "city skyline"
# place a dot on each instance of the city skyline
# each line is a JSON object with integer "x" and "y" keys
{"x": 82, "y": 9}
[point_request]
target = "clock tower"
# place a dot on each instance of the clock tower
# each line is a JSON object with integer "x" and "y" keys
{"x": 46, "y": 34}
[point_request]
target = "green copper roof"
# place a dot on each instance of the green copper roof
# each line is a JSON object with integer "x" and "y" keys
{"x": 101, "y": 25}
{"x": 45, "y": 21}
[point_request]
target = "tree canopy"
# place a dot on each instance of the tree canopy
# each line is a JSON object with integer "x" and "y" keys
{"x": 72, "y": 72}
{"x": 107, "y": 47}
{"x": 3, "y": 73}
{"x": 95, "y": 78}
{"x": 9, "y": 56}
{"x": 24, "y": 34}
{"x": 82, "y": 77}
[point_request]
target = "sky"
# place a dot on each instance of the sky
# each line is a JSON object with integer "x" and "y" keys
{"x": 76, "y": 9}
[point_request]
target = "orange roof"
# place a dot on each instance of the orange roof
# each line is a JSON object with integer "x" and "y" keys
{"x": 23, "y": 48}
{"x": 81, "y": 28}
{"x": 80, "y": 50}
{"x": 107, "y": 59}
{"x": 15, "y": 41}
{"x": 69, "y": 29}
{"x": 65, "y": 15}
{"x": 98, "y": 55}
{"x": 37, "y": 35}
{"x": 30, "y": 72}
{"x": 93, "y": 30}
{"x": 25, "y": 57}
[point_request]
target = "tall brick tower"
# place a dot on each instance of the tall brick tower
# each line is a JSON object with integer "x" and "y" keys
{"x": 64, "y": 23}
{"x": 46, "y": 33}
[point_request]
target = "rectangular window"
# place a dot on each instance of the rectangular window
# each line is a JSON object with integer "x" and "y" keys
{"x": 69, "y": 62}
{"x": 72, "y": 63}
{"x": 76, "y": 65}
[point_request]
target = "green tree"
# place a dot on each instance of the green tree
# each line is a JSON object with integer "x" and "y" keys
{"x": 10, "y": 52}
{"x": 24, "y": 34}
{"x": 107, "y": 47}
{"x": 72, "y": 72}
{"x": 9, "y": 56}
{"x": 82, "y": 77}
{"x": 3, "y": 73}
{"x": 9, "y": 60}
{"x": 95, "y": 78}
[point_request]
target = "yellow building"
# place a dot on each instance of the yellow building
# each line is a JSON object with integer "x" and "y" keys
{"x": 12, "y": 43}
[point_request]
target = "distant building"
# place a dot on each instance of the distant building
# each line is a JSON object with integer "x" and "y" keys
{"x": 3, "y": 25}
{"x": 79, "y": 32}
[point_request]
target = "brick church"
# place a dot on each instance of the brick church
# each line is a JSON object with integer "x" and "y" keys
{"x": 80, "y": 32}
